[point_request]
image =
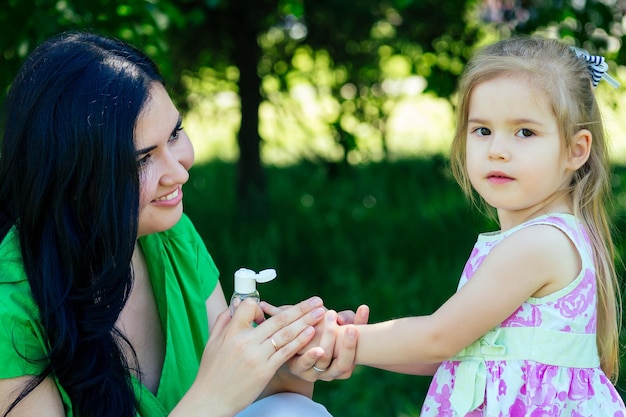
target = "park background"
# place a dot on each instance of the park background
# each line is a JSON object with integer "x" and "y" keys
{"x": 321, "y": 131}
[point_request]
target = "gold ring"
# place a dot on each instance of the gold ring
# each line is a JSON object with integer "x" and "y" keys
{"x": 274, "y": 343}
{"x": 315, "y": 368}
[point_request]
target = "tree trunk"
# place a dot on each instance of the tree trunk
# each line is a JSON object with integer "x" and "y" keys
{"x": 252, "y": 201}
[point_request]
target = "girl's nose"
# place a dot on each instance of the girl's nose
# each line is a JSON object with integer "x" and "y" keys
{"x": 498, "y": 148}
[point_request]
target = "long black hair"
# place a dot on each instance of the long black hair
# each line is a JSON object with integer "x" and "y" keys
{"x": 70, "y": 185}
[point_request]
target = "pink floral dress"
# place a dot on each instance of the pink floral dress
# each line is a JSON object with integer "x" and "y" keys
{"x": 541, "y": 361}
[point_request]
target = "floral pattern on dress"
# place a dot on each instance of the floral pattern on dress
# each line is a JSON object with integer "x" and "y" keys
{"x": 526, "y": 388}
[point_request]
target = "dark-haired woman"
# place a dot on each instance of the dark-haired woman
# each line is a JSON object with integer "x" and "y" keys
{"x": 107, "y": 293}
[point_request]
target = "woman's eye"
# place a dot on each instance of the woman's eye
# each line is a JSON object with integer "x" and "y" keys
{"x": 176, "y": 133}
{"x": 179, "y": 127}
{"x": 143, "y": 161}
{"x": 525, "y": 133}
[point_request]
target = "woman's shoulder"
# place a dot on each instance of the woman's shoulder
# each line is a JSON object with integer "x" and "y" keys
{"x": 11, "y": 263}
{"x": 19, "y": 316}
{"x": 15, "y": 294}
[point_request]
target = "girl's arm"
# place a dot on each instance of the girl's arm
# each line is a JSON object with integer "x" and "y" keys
{"x": 534, "y": 261}
{"x": 422, "y": 369}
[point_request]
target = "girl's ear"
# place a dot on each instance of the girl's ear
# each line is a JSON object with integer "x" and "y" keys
{"x": 580, "y": 149}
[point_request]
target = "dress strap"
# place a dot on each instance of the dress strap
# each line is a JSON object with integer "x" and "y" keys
{"x": 550, "y": 347}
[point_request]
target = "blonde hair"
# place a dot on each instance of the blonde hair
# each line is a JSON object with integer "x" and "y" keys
{"x": 553, "y": 68}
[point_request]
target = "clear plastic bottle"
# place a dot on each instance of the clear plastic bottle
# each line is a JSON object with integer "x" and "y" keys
{"x": 245, "y": 285}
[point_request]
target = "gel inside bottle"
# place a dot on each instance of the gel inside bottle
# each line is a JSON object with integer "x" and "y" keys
{"x": 245, "y": 285}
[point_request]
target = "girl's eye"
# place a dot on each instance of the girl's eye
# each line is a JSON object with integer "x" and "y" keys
{"x": 525, "y": 133}
{"x": 482, "y": 131}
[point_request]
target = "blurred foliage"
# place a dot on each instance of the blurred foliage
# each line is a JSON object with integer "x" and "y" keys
{"x": 26, "y": 23}
{"x": 394, "y": 236}
{"x": 258, "y": 47}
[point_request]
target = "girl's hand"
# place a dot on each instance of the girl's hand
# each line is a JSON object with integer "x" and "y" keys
{"x": 239, "y": 360}
{"x": 326, "y": 357}
{"x": 310, "y": 366}
{"x": 350, "y": 317}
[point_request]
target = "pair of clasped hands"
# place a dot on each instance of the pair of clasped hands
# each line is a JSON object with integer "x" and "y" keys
{"x": 287, "y": 349}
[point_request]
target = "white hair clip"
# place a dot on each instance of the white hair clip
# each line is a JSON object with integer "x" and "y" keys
{"x": 597, "y": 66}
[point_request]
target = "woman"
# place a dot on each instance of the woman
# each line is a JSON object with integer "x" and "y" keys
{"x": 107, "y": 293}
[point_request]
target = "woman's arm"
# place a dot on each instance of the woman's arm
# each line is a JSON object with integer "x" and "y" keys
{"x": 215, "y": 305}
{"x": 43, "y": 401}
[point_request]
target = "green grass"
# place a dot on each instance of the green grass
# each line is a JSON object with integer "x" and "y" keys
{"x": 394, "y": 236}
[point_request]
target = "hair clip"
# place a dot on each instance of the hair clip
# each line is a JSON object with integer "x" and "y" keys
{"x": 597, "y": 66}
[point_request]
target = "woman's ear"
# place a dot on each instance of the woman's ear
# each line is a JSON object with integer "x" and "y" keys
{"x": 579, "y": 149}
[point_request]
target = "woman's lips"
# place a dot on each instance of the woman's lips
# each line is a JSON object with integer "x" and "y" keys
{"x": 170, "y": 199}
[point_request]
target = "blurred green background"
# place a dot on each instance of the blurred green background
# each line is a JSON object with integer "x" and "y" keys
{"x": 321, "y": 129}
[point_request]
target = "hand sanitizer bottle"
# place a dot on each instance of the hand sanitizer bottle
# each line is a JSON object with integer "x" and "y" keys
{"x": 245, "y": 285}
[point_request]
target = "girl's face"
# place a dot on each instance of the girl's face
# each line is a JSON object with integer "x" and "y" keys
{"x": 515, "y": 158}
{"x": 164, "y": 156}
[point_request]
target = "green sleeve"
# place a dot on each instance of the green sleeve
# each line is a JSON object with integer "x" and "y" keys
{"x": 22, "y": 344}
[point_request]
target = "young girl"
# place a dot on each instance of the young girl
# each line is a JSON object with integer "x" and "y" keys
{"x": 107, "y": 293}
{"x": 533, "y": 327}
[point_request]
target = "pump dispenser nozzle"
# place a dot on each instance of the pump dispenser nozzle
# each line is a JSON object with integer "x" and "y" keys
{"x": 245, "y": 285}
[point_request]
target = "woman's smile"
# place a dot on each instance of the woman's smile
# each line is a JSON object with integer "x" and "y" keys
{"x": 174, "y": 197}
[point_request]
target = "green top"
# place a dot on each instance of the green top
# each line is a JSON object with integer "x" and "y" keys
{"x": 183, "y": 276}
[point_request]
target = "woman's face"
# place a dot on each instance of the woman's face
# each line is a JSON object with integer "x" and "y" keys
{"x": 164, "y": 156}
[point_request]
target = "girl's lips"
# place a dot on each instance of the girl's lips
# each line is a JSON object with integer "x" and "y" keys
{"x": 498, "y": 177}
{"x": 171, "y": 199}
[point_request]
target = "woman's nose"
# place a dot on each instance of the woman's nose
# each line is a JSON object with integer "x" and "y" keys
{"x": 179, "y": 161}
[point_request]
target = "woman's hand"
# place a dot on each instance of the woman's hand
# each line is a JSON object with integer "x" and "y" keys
{"x": 239, "y": 360}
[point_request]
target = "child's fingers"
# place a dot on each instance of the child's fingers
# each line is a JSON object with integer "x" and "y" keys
{"x": 343, "y": 364}
{"x": 362, "y": 315}
{"x": 350, "y": 317}
{"x": 345, "y": 317}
